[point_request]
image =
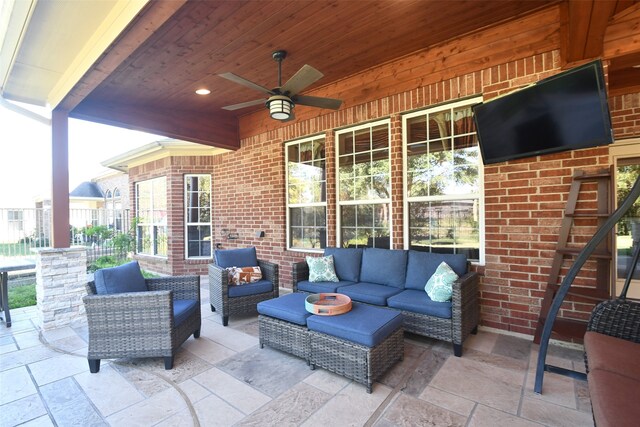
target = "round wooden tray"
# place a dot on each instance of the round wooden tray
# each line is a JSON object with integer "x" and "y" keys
{"x": 327, "y": 304}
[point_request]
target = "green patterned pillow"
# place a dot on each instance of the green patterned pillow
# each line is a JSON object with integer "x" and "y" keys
{"x": 322, "y": 269}
{"x": 440, "y": 286}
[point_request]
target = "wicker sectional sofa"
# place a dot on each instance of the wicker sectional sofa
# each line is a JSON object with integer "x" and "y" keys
{"x": 395, "y": 279}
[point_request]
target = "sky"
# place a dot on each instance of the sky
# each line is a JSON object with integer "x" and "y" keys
{"x": 25, "y": 154}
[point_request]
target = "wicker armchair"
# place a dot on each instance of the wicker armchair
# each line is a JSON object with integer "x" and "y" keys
{"x": 141, "y": 324}
{"x": 251, "y": 294}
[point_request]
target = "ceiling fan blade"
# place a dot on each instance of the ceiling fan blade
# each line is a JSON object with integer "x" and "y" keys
{"x": 244, "y": 82}
{"x": 244, "y": 104}
{"x": 305, "y": 76}
{"x": 315, "y": 101}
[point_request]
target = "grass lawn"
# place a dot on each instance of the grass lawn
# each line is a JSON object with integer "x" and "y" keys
{"x": 22, "y": 296}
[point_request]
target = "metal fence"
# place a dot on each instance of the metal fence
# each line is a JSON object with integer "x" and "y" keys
{"x": 104, "y": 232}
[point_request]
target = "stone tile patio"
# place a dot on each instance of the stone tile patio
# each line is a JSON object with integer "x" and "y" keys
{"x": 225, "y": 379}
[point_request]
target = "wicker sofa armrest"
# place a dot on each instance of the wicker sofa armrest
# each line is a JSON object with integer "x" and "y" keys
{"x": 300, "y": 272}
{"x": 183, "y": 287}
{"x": 130, "y": 311}
{"x": 270, "y": 271}
{"x": 465, "y": 304}
{"x": 617, "y": 318}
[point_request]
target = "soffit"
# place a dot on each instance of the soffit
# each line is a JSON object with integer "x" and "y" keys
{"x": 49, "y": 45}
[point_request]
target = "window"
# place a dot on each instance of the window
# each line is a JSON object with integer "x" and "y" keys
{"x": 109, "y": 207}
{"x": 16, "y": 220}
{"x": 117, "y": 210}
{"x": 306, "y": 194}
{"x": 197, "y": 198}
{"x": 443, "y": 210}
{"x": 364, "y": 192}
{"x": 151, "y": 211}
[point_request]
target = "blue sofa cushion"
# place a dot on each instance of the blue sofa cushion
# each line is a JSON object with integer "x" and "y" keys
{"x": 371, "y": 293}
{"x": 320, "y": 287}
{"x": 182, "y": 309}
{"x": 123, "y": 278}
{"x": 364, "y": 324}
{"x": 384, "y": 266}
{"x": 245, "y": 257}
{"x": 422, "y": 265}
{"x": 288, "y": 307}
{"x": 259, "y": 287}
{"x": 347, "y": 262}
{"x": 419, "y": 302}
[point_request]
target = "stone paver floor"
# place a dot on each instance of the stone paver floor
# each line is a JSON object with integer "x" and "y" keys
{"x": 225, "y": 379}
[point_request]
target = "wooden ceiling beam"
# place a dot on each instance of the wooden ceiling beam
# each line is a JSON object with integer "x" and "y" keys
{"x": 583, "y": 25}
{"x": 153, "y": 16}
{"x": 215, "y": 130}
{"x": 623, "y": 33}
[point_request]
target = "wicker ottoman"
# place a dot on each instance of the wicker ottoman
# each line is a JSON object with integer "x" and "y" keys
{"x": 282, "y": 324}
{"x": 360, "y": 345}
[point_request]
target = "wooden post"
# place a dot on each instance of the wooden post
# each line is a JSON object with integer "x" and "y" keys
{"x": 60, "y": 235}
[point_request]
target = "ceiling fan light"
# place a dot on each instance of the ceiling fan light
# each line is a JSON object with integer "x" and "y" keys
{"x": 280, "y": 107}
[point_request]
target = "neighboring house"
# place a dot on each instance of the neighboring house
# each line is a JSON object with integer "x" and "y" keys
{"x": 102, "y": 201}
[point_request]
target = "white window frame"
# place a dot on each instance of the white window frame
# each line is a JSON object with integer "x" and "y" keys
{"x": 479, "y": 197}
{"x": 151, "y": 223}
{"x": 340, "y": 203}
{"x": 304, "y": 205}
{"x": 199, "y": 224}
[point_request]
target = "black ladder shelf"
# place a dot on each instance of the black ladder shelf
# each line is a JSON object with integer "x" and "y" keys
{"x": 564, "y": 288}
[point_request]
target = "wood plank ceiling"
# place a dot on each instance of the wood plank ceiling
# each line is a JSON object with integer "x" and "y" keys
{"x": 147, "y": 79}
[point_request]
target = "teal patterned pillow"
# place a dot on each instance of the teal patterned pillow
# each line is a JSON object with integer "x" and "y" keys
{"x": 440, "y": 286}
{"x": 322, "y": 269}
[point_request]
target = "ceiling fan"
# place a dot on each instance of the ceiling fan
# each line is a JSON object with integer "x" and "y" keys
{"x": 283, "y": 98}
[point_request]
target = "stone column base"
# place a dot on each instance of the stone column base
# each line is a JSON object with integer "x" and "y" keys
{"x": 61, "y": 275}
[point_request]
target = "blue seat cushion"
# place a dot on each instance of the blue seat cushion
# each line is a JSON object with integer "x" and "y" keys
{"x": 371, "y": 293}
{"x": 183, "y": 309}
{"x": 259, "y": 287}
{"x": 288, "y": 307}
{"x": 319, "y": 287}
{"x": 245, "y": 257}
{"x": 422, "y": 265}
{"x": 364, "y": 324}
{"x": 347, "y": 262}
{"x": 384, "y": 266}
{"x": 123, "y": 278}
{"x": 418, "y": 301}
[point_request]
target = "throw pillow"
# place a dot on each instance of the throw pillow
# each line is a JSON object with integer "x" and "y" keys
{"x": 440, "y": 286}
{"x": 243, "y": 275}
{"x": 321, "y": 269}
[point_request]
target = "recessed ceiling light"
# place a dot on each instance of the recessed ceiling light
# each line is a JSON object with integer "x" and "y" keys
{"x": 203, "y": 91}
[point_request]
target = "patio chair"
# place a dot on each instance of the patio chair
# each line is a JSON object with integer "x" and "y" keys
{"x": 229, "y": 299}
{"x": 130, "y": 316}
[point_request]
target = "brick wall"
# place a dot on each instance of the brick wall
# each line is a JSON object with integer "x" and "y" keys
{"x": 174, "y": 169}
{"x": 524, "y": 199}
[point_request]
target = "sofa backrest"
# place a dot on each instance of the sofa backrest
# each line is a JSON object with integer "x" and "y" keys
{"x": 422, "y": 265}
{"x": 347, "y": 262}
{"x": 384, "y": 266}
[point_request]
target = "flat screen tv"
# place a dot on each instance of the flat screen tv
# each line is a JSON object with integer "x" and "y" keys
{"x": 567, "y": 111}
